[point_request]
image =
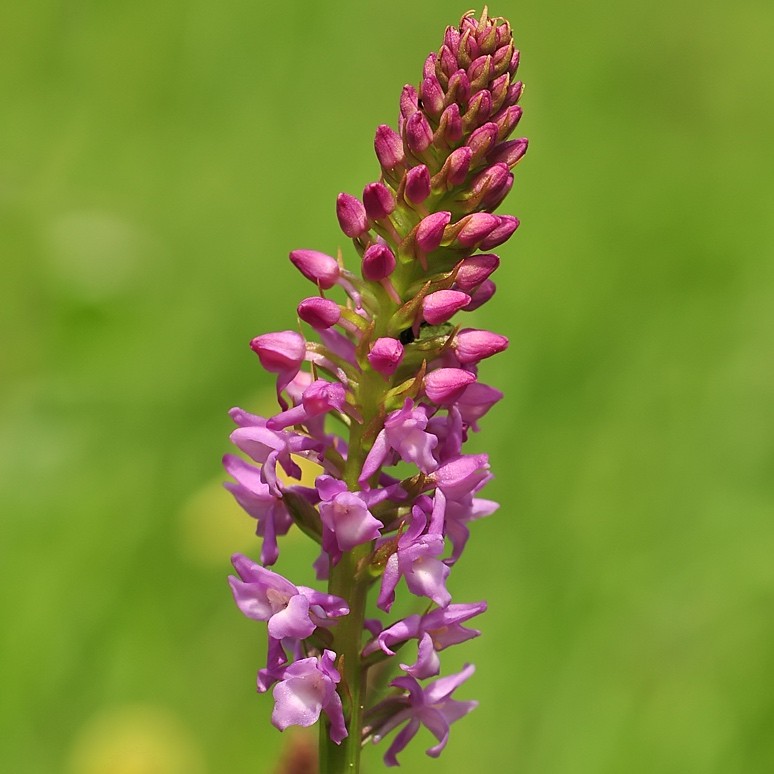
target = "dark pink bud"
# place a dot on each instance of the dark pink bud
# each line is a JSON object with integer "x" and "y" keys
{"x": 450, "y": 125}
{"x": 352, "y": 215}
{"x": 430, "y": 230}
{"x": 514, "y": 62}
{"x": 409, "y": 102}
{"x": 452, "y": 41}
{"x": 448, "y": 62}
{"x": 432, "y": 96}
{"x": 501, "y": 61}
{"x": 475, "y": 227}
{"x": 481, "y": 295}
{"x": 318, "y": 267}
{"x": 378, "y": 201}
{"x": 479, "y": 109}
{"x": 471, "y": 345}
{"x": 501, "y": 233}
{"x": 483, "y": 140}
{"x": 499, "y": 91}
{"x": 321, "y": 396}
{"x": 278, "y": 352}
{"x": 503, "y": 34}
{"x": 378, "y": 262}
{"x": 514, "y": 93}
{"x": 506, "y": 121}
{"x": 385, "y": 355}
{"x": 429, "y": 68}
{"x": 475, "y": 270}
{"x": 468, "y": 49}
{"x": 417, "y": 184}
{"x": 389, "y": 147}
{"x": 320, "y": 313}
{"x": 441, "y": 306}
{"x": 487, "y": 39}
{"x": 445, "y": 385}
{"x": 459, "y": 165}
{"x": 510, "y": 152}
{"x": 492, "y": 185}
{"x": 480, "y": 72}
{"x": 418, "y": 133}
{"x": 459, "y": 89}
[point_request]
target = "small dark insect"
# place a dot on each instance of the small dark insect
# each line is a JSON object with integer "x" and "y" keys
{"x": 406, "y": 337}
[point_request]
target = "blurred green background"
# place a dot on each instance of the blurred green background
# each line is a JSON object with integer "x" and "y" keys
{"x": 158, "y": 160}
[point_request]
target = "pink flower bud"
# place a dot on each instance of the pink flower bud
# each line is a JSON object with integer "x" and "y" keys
{"x": 459, "y": 89}
{"x": 430, "y": 230}
{"x": 479, "y": 109}
{"x": 385, "y": 355}
{"x": 475, "y": 228}
{"x": 514, "y": 93}
{"x": 444, "y": 385}
{"x": 432, "y": 96}
{"x": 441, "y": 306}
{"x": 506, "y": 121}
{"x": 418, "y": 133}
{"x": 318, "y": 267}
{"x": 459, "y": 165}
{"x": 278, "y": 352}
{"x": 389, "y": 147}
{"x": 499, "y": 91}
{"x": 320, "y": 313}
{"x": 480, "y": 72}
{"x": 409, "y": 103}
{"x": 378, "y": 201}
{"x": 501, "y": 61}
{"x": 475, "y": 270}
{"x": 450, "y": 126}
{"x": 471, "y": 345}
{"x": 448, "y": 62}
{"x": 352, "y": 215}
{"x": 481, "y": 295}
{"x": 510, "y": 152}
{"x": 489, "y": 187}
{"x": 429, "y": 67}
{"x": 378, "y": 262}
{"x": 501, "y": 233}
{"x": 483, "y": 140}
{"x": 417, "y": 184}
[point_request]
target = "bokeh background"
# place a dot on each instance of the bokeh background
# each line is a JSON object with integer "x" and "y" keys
{"x": 158, "y": 160}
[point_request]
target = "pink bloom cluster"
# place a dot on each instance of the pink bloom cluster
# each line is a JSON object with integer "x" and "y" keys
{"x": 382, "y": 393}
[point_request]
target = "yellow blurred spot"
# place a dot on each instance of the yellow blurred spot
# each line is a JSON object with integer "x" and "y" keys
{"x": 213, "y": 526}
{"x": 135, "y": 740}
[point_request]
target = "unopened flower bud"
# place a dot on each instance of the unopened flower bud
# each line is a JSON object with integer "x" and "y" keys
{"x": 430, "y": 230}
{"x": 471, "y": 345}
{"x": 432, "y": 96}
{"x": 459, "y": 89}
{"x": 458, "y": 165}
{"x": 445, "y": 385}
{"x": 378, "y": 262}
{"x": 450, "y": 126}
{"x": 501, "y": 233}
{"x": 499, "y": 91}
{"x": 510, "y": 152}
{"x": 483, "y": 140}
{"x": 320, "y": 313}
{"x": 409, "y": 104}
{"x": 475, "y": 270}
{"x": 281, "y": 351}
{"x": 378, "y": 201}
{"x": 480, "y": 72}
{"x": 318, "y": 267}
{"x": 501, "y": 61}
{"x": 472, "y": 229}
{"x": 418, "y": 133}
{"x": 448, "y": 62}
{"x": 417, "y": 184}
{"x": 440, "y": 306}
{"x": 481, "y": 295}
{"x": 385, "y": 355}
{"x": 352, "y": 215}
{"x": 389, "y": 147}
{"x": 479, "y": 110}
{"x": 429, "y": 67}
{"x": 506, "y": 121}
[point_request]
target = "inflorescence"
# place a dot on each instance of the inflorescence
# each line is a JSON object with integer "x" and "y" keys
{"x": 386, "y": 379}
